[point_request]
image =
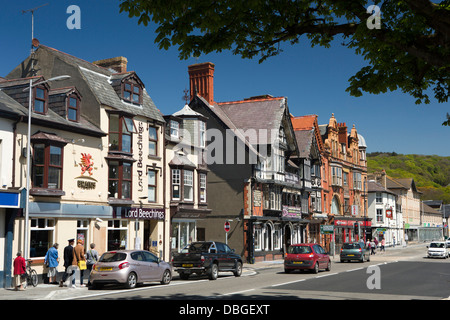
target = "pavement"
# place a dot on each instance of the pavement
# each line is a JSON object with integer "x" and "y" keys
{"x": 54, "y": 292}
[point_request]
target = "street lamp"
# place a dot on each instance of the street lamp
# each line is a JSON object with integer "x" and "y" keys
{"x": 27, "y": 199}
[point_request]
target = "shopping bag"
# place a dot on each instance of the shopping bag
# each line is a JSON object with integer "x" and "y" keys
{"x": 82, "y": 265}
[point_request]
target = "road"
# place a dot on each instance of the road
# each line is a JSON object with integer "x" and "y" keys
{"x": 403, "y": 274}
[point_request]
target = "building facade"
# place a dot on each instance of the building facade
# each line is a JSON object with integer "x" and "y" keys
{"x": 97, "y": 142}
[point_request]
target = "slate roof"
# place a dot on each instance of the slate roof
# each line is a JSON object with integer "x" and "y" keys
{"x": 373, "y": 186}
{"x": 304, "y": 142}
{"x": 51, "y": 118}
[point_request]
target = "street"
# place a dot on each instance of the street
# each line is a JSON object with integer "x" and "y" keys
{"x": 404, "y": 274}
{"x": 397, "y": 274}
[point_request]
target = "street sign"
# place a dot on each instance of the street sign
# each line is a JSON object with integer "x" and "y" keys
{"x": 227, "y": 226}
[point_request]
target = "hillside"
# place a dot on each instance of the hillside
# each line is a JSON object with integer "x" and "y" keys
{"x": 431, "y": 173}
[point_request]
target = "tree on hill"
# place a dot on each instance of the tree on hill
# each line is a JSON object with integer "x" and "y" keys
{"x": 406, "y": 42}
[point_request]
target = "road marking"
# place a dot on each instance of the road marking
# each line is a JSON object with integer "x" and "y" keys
{"x": 326, "y": 275}
{"x": 355, "y": 269}
{"x": 237, "y": 292}
{"x": 282, "y": 284}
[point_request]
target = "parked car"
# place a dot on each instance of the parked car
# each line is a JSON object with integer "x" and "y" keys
{"x": 207, "y": 257}
{"x": 306, "y": 256}
{"x": 129, "y": 267}
{"x": 354, "y": 251}
{"x": 437, "y": 249}
{"x": 447, "y": 242}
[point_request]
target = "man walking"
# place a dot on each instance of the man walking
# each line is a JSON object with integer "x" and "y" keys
{"x": 68, "y": 258}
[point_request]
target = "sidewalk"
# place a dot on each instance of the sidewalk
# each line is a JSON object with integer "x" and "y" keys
{"x": 54, "y": 292}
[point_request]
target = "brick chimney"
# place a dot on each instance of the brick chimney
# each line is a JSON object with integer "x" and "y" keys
{"x": 118, "y": 64}
{"x": 201, "y": 81}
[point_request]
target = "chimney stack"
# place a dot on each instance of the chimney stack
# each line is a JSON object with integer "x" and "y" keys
{"x": 201, "y": 81}
{"x": 118, "y": 64}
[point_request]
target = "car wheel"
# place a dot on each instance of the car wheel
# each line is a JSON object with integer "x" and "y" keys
{"x": 131, "y": 281}
{"x": 287, "y": 270}
{"x": 213, "y": 272}
{"x": 329, "y": 265}
{"x": 166, "y": 277}
{"x": 238, "y": 270}
{"x": 316, "y": 268}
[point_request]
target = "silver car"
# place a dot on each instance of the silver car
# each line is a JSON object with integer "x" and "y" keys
{"x": 129, "y": 267}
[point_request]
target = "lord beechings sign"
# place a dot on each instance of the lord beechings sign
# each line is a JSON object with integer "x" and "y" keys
{"x": 139, "y": 213}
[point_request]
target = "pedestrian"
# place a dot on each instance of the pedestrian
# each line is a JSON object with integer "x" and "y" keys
{"x": 372, "y": 247}
{"x": 68, "y": 257}
{"x": 91, "y": 259}
{"x": 393, "y": 241}
{"x": 383, "y": 242}
{"x": 52, "y": 260}
{"x": 406, "y": 239}
{"x": 78, "y": 255}
{"x": 20, "y": 269}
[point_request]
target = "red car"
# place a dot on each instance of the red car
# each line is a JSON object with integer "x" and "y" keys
{"x": 309, "y": 256}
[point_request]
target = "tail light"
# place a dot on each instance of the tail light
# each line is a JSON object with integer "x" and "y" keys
{"x": 94, "y": 267}
{"x": 202, "y": 258}
{"x": 124, "y": 265}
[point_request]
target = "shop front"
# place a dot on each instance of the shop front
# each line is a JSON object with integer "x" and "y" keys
{"x": 350, "y": 229}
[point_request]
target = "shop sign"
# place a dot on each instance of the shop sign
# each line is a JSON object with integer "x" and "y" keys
{"x": 87, "y": 165}
{"x": 389, "y": 213}
{"x": 326, "y": 229}
{"x": 293, "y": 212}
{"x": 143, "y": 213}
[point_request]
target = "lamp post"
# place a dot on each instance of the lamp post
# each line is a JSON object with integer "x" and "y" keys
{"x": 27, "y": 199}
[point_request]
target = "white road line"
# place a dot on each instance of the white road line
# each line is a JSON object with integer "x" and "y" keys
{"x": 237, "y": 292}
{"x": 355, "y": 269}
{"x": 326, "y": 275}
{"x": 282, "y": 284}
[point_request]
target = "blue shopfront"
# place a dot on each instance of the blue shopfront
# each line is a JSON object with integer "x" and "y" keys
{"x": 10, "y": 208}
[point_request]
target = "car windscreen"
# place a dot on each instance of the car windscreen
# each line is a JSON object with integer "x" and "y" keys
{"x": 113, "y": 256}
{"x": 299, "y": 250}
{"x": 437, "y": 245}
{"x": 197, "y": 247}
{"x": 351, "y": 246}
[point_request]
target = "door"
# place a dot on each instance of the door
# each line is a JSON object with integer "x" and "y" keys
{"x": 222, "y": 256}
{"x": 152, "y": 263}
{"x": 140, "y": 266}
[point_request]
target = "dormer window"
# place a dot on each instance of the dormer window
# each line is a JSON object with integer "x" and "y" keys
{"x": 73, "y": 108}
{"x": 40, "y": 99}
{"x": 132, "y": 92}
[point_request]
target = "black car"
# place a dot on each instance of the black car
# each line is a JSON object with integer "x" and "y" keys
{"x": 207, "y": 257}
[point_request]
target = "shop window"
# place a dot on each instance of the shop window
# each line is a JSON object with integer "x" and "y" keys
{"x": 42, "y": 233}
{"x": 117, "y": 234}
{"x": 82, "y": 231}
{"x": 258, "y": 238}
{"x": 183, "y": 233}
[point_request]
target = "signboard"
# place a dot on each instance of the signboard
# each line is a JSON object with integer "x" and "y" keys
{"x": 293, "y": 212}
{"x": 355, "y": 210}
{"x": 326, "y": 229}
{"x": 389, "y": 213}
{"x": 141, "y": 213}
{"x": 226, "y": 226}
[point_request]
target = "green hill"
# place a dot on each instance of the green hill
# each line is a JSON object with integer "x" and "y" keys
{"x": 430, "y": 173}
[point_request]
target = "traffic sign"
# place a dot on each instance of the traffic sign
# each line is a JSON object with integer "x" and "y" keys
{"x": 227, "y": 226}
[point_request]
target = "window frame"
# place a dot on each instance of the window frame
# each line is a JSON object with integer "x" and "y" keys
{"x": 154, "y": 186}
{"x": 120, "y": 179}
{"x": 153, "y": 141}
{"x": 44, "y": 100}
{"x": 70, "y": 107}
{"x": 132, "y": 92}
{"x": 47, "y": 164}
{"x": 122, "y": 127}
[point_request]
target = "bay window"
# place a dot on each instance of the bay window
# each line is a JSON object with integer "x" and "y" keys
{"x": 119, "y": 179}
{"x": 121, "y": 131}
{"x": 47, "y": 166}
{"x": 188, "y": 185}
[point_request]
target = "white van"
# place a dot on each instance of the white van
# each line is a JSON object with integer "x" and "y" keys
{"x": 437, "y": 249}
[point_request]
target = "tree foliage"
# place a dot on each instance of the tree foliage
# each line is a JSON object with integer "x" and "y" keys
{"x": 431, "y": 173}
{"x": 410, "y": 52}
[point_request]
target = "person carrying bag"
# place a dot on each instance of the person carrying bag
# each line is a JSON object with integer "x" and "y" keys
{"x": 79, "y": 259}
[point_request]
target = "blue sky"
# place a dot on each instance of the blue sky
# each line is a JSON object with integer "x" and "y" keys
{"x": 313, "y": 79}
